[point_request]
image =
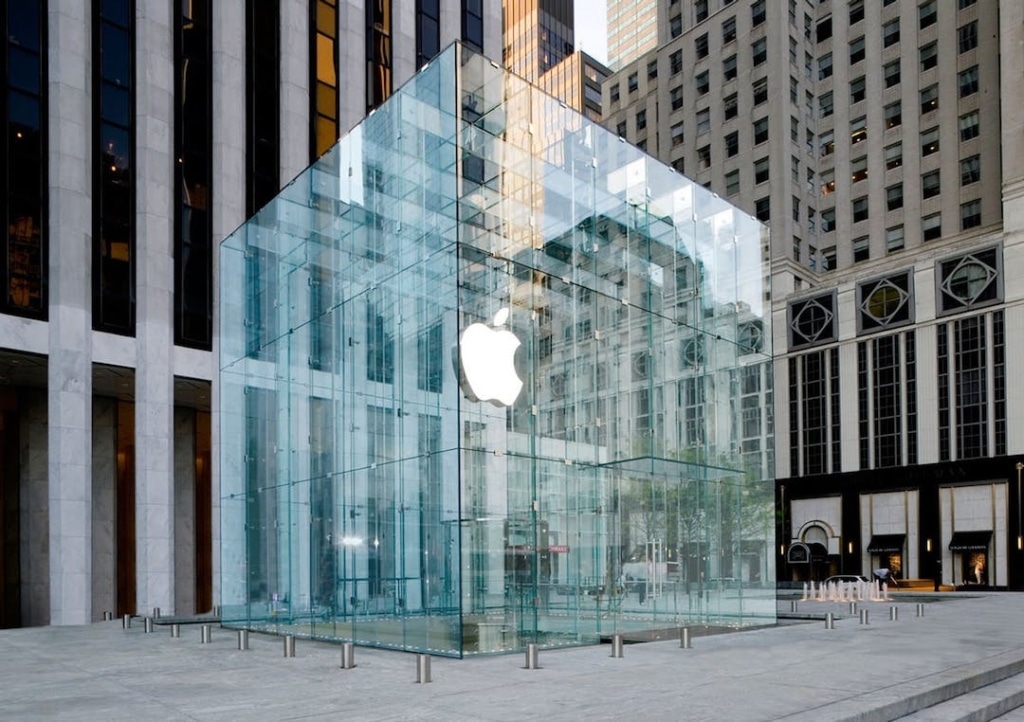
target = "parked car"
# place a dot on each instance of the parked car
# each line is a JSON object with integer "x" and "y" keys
{"x": 847, "y": 578}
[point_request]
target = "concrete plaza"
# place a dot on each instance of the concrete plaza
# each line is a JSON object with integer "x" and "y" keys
{"x": 963, "y": 659}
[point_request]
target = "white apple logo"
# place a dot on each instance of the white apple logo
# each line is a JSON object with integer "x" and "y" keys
{"x": 488, "y": 355}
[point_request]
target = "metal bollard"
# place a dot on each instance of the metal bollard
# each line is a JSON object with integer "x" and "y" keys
{"x": 204, "y": 634}
{"x": 894, "y": 613}
{"x": 156, "y": 612}
{"x": 126, "y": 621}
{"x": 107, "y": 616}
{"x": 617, "y": 646}
{"x": 863, "y": 616}
{"x": 243, "y": 639}
{"x": 148, "y": 627}
{"x": 175, "y": 630}
{"x": 216, "y": 610}
{"x": 289, "y": 645}
{"x": 422, "y": 668}
{"x": 853, "y": 607}
{"x": 792, "y": 606}
{"x": 348, "y": 655}
{"x": 531, "y": 656}
{"x": 830, "y": 621}
{"x": 684, "y": 637}
{"x": 920, "y": 609}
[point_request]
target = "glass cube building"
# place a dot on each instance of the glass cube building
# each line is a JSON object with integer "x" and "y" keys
{"x": 491, "y": 376}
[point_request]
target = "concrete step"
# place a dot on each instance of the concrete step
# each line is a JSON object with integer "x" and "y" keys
{"x": 981, "y": 705}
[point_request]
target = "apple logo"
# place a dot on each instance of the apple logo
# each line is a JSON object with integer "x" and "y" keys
{"x": 487, "y": 355}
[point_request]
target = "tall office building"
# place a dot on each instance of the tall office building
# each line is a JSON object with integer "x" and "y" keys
{"x": 882, "y": 143}
{"x": 632, "y": 30}
{"x": 138, "y": 133}
{"x": 538, "y": 35}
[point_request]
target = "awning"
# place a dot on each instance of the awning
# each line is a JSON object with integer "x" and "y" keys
{"x": 886, "y": 543}
{"x": 964, "y": 541}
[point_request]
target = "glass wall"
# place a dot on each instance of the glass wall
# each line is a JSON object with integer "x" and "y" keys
{"x": 491, "y": 376}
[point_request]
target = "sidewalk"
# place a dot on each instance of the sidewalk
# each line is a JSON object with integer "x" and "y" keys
{"x": 796, "y": 671}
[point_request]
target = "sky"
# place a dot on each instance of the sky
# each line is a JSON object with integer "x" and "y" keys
{"x": 591, "y": 29}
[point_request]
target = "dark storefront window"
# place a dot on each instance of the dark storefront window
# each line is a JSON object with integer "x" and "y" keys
{"x": 23, "y": 264}
{"x": 378, "y": 53}
{"x": 263, "y": 103}
{"x": 114, "y": 182}
{"x": 324, "y": 64}
{"x": 193, "y": 279}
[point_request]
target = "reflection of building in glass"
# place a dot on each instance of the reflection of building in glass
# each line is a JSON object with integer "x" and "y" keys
{"x": 373, "y": 486}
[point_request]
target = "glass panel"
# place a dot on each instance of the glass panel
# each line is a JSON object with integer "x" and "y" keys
{"x": 529, "y": 428}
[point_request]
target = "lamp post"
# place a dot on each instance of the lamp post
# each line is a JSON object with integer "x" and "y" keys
{"x": 1020, "y": 532}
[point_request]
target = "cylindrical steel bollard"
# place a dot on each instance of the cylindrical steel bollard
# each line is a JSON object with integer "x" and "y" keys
{"x": 156, "y": 612}
{"x": 348, "y": 655}
{"x": 107, "y": 616}
{"x": 863, "y": 616}
{"x": 148, "y": 625}
{"x": 289, "y": 645}
{"x": 853, "y": 607}
{"x": 216, "y": 610}
{"x": 531, "y": 656}
{"x": 830, "y": 621}
{"x": 617, "y": 646}
{"x": 894, "y": 613}
{"x": 243, "y": 639}
{"x": 204, "y": 634}
{"x": 792, "y": 606}
{"x": 126, "y": 621}
{"x": 422, "y": 668}
{"x": 175, "y": 630}
{"x": 684, "y": 638}
{"x": 920, "y": 609}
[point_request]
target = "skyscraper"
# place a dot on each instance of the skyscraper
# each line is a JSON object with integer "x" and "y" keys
{"x": 632, "y": 30}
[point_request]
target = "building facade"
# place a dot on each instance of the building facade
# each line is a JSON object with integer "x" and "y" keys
{"x": 138, "y": 133}
{"x": 482, "y": 387}
{"x": 881, "y": 143}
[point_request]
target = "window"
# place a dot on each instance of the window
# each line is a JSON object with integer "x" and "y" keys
{"x": 857, "y": 90}
{"x": 796, "y": 210}
{"x": 963, "y": 4}
{"x": 967, "y": 36}
{"x": 858, "y": 130}
{"x": 794, "y": 129}
{"x": 856, "y": 11}
{"x": 796, "y": 247}
{"x": 620, "y": 129}
{"x": 700, "y": 46}
{"x": 324, "y": 65}
{"x": 731, "y": 106}
{"x": 893, "y": 114}
{"x": 677, "y": 134}
{"x": 793, "y": 50}
{"x": 824, "y": 30}
{"x": 828, "y": 182}
{"x": 929, "y": 56}
{"x": 613, "y": 93}
{"x": 729, "y": 68}
{"x": 760, "y": 131}
{"x": 930, "y": 141}
{"x": 970, "y": 215}
{"x": 703, "y": 121}
{"x": 379, "y": 27}
{"x": 861, "y": 249}
{"x": 757, "y": 13}
{"x": 826, "y": 141}
{"x": 891, "y": 33}
{"x": 929, "y": 99}
{"x": 969, "y": 127}
{"x": 652, "y": 70}
{"x": 809, "y": 140}
{"x": 704, "y": 157}
{"x": 825, "y": 66}
{"x": 859, "y": 169}
{"x": 675, "y": 62}
{"x": 760, "y": 91}
{"x": 825, "y": 104}
{"x": 927, "y": 14}
{"x": 676, "y": 97}
{"x": 633, "y": 83}
{"x": 679, "y": 164}
{"x": 894, "y": 197}
{"x": 675, "y": 26}
{"x": 760, "y": 51}
{"x": 641, "y": 119}
{"x": 931, "y": 227}
{"x": 857, "y": 50}
{"x": 472, "y": 23}
{"x": 893, "y": 239}
{"x": 703, "y": 83}
{"x": 828, "y": 220}
{"x": 728, "y": 31}
{"x": 762, "y": 210}
{"x": 930, "y": 184}
{"x": 794, "y": 169}
{"x": 761, "y": 170}
{"x": 968, "y": 81}
{"x": 893, "y": 156}
{"x": 811, "y": 219}
{"x": 970, "y": 170}
{"x": 794, "y": 90}
{"x": 860, "y": 209}
{"x": 828, "y": 258}
{"x": 892, "y": 73}
{"x": 732, "y": 182}
{"x": 700, "y": 10}
{"x": 732, "y": 144}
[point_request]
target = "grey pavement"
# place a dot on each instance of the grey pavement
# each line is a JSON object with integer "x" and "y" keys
{"x": 965, "y": 652}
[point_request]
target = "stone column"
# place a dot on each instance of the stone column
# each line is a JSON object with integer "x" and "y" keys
{"x": 154, "y": 326}
{"x": 69, "y": 368}
{"x": 294, "y": 88}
